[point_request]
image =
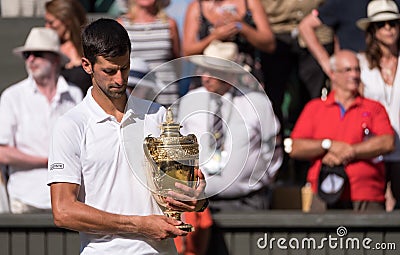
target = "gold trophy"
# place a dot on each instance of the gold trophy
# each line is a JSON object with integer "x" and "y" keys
{"x": 173, "y": 158}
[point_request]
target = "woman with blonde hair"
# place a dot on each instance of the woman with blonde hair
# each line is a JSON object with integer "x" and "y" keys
{"x": 67, "y": 18}
{"x": 155, "y": 38}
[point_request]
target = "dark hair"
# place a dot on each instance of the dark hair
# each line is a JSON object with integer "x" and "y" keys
{"x": 73, "y": 15}
{"x": 106, "y": 38}
{"x": 373, "y": 52}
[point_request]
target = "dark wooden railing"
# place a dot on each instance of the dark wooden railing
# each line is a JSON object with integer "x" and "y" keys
{"x": 266, "y": 232}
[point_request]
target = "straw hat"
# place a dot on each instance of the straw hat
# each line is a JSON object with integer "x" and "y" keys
{"x": 219, "y": 56}
{"x": 379, "y": 10}
{"x": 138, "y": 72}
{"x": 42, "y": 39}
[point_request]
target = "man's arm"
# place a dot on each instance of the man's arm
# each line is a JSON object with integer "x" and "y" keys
{"x": 308, "y": 149}
{"x": 307, "y": 29}
{"x": 69, "y": 213}
{"x": 262, "y": 36}
{"x": 374, "y": 146}
{"x": 191, "y": 44}
{"x": 341, "y": 152}
{"x": 13, "y": 157}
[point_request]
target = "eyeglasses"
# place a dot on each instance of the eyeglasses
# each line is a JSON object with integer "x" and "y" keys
{"x": 36, "y": 54}
{"x": 349, "y": 69}
{"x": 380, "y": 24}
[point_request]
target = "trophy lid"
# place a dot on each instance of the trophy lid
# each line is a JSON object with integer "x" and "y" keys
{"x": 170, "y": 128}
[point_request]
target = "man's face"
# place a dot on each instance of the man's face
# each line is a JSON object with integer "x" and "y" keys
{"x": 214, "y": 85}
{"x": 110, "y": 75}
{"x": 346, "y": 77}
{"x": 40, "y": 64}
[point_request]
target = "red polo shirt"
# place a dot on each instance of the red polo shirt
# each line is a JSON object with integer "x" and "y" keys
{"x": 327, "y": 119}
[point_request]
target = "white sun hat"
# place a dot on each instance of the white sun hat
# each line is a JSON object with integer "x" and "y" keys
{"x": 220, "y": 56}
{"x": 379, "y": 10}
{"x": 42, "y": 39}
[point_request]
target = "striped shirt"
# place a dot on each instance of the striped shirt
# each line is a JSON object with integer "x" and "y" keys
{"x": 152, "y": 42}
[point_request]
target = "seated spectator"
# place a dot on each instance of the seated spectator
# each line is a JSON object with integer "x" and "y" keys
{"x": 67, "y": 18}
{"x": 291, "y": 68}
{"x": 155, "y": 38}
{"x": 348, "y": 132}
{"x": 379, "y": 73}
{"x": 141, "y": 82}
{"x": 28, "y": 111}
{"x": 243, "y": 22}
{"x": 237, "y": 130}
{"x": 341, "y": 16}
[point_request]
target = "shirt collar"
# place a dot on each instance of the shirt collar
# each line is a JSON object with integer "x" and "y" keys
{"x": 99, "y": 114}
{"x": 62, "y": 87}
{"x": 330, "y": 100}
{"x": 228, "y": 96}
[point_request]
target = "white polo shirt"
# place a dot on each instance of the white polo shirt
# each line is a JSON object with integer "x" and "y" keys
{"x": 250, "y": 129}
{"x": 26, "y": 122}
{"x": 88, "y": 149}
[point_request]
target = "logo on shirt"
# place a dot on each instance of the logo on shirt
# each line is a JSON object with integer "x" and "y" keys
{"x": 56, "y": 166}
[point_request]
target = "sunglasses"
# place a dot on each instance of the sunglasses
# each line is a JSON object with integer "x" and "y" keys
{"x": 380, "y": 24}
{"x": 349, "y": 69}
{"x": 36, "y": 54}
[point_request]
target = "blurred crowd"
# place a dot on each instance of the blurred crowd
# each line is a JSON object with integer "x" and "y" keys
{"x": 330, "y": 120}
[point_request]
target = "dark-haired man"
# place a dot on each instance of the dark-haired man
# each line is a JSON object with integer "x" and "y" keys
{"x": 96, "y": 187}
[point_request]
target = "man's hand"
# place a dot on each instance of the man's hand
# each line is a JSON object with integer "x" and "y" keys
{"x": 331, "y": 160}
{"x": 188, "y": 199}
{"x": 159, "y": 227}
{"x": 339, "y": 153}
{"x": 226, "y": 31}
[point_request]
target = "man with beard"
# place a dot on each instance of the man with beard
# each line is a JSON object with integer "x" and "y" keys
{"x": 96, "y": 185}
{"x": 28, "y": 111}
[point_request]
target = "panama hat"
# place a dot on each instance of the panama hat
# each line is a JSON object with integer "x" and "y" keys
{"x": 379, "y": 10}
{"x": 42, "y": 39}
{"x": 220, "y": 56}
{"x": 139, "y": 73}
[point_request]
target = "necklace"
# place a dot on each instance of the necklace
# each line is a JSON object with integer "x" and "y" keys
{"x": 388, "y": 92}
{"x": 388, "y": 68}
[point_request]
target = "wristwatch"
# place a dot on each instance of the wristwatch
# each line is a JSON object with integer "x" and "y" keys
{"x": 326, "y": 144}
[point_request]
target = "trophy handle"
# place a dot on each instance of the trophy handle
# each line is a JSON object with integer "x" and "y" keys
{"x": 147, "y": 145}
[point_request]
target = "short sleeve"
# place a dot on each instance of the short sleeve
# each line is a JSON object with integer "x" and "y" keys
{"x": 64, "y": 155}
{"x": 380, "y": 122}
{"x": 7, "y": 119}
{"x": 304, "y": 124}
